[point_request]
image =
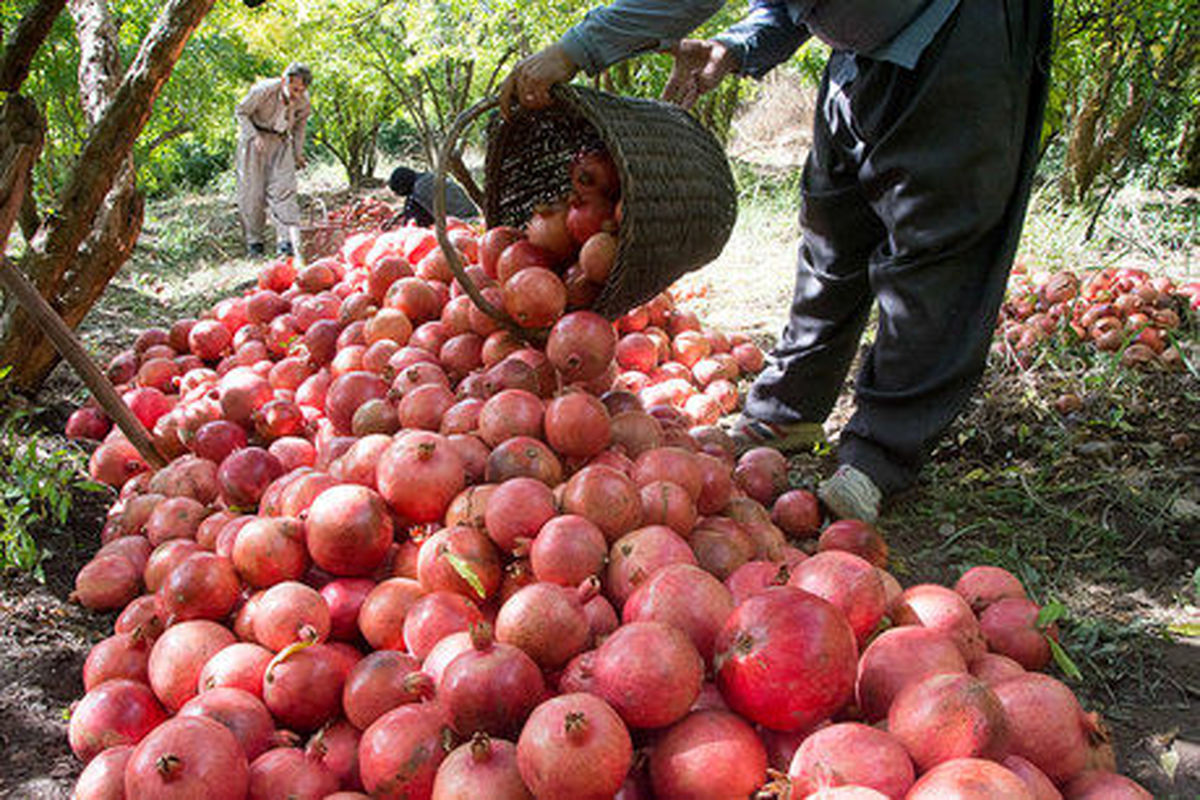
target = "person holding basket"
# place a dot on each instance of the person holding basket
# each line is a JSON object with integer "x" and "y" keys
{"x": 925, "y": 138}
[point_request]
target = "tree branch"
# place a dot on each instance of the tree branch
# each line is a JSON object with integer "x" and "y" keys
{"x": 173, "y": 132}
{"x": 26, "y": 40}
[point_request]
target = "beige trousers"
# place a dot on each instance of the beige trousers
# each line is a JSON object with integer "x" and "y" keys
{"x": 266, "y": 180}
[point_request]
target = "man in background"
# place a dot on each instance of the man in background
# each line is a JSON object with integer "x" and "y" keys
{"x": 417, "y": 190}
{"x": 272, "y": 118}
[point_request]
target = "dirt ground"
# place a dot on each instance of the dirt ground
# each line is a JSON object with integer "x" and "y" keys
{"x": 1099, "y": 511}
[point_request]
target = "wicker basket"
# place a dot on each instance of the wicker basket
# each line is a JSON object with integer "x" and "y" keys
{"x": 319, "y": 237}
{"x": 678, "y": 198}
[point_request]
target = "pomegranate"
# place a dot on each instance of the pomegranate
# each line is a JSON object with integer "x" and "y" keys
{"x": 577, "y": 425}
{"x": 419, "y": 474}
{"x": 851, "y": 754}
{"x": 898, "y": 658}
{"x": 459, "y": 559}
{"x": 797, "y": 512}
{"x": 188, "y": 757}
{"x": 381, "y": 617}
{"x": 517, "y": 509}
{"x": 941, "y": 609}
{"x": 302, "y": 686}
{"x": 857, "y": 537}
{"x": 122, "y": 655}
{"x": 637, "y": 555}
{"x": 983, "y": 585}
{"x": 1011, "y": 629}
{"x": 349, "y": 530}
{"x": 1041, "y": 787}
{"x": 241, "y": 712}
{"x": 239, "y": 666}
{"x": 684, "y": 597}
{"x": 946, "y": 716}
{"x": 179, "y": 655}
{"x": 785, "y": 659}
{"x": 491, "y": 687}
{"x": 435, "y": 615}
{"x": 574, "y": 747}
{"x": 482, "y": 767}
{"x": 649, "y": 672}
{"x": 380, "y": 682}
{"x": 345, "y": 597}
{"x": 290, "y": 612}
{"x": 1049, "y": 728}
{"x": 567, "y": 550}
{"x": 605, "y": 497}
{"x": 270, "y": 550}
{"x": 107, "y": 583}
{"x": 288, "y": 772}
{"x": 1099, "y": 785}
{"x": 969, "y": 779}
{"x": 117, "y": 712}
{"x": 400, "y": 752}
{"x": 245, "y": 474}
{"x": 104, "y": 776}
{"x": 709, "y": 754}
{"x": 581, "y": 345}
{"x": 850, "y": 583}
{"x": 547, "y": 621}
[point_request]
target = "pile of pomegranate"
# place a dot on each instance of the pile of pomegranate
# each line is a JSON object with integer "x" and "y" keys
{"x": 362, "y": 214}
{"x": 400, "y": 552}
{"x": 1122, "y": 311}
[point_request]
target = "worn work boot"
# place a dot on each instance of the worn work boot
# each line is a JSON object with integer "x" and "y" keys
{"x": 285, "y": 248}
{"x": 748, "y": 433}
{"x": 255, "y": 250}
{"x": 850, "y": 494}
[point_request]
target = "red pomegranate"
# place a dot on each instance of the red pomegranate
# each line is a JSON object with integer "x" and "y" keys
{"x": 574, "y": 747}
{"x": 786, "y": 659}
{"x": 188, "y": 757}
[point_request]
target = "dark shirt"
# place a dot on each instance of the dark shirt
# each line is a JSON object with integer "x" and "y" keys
{"x": 420, "y": 201}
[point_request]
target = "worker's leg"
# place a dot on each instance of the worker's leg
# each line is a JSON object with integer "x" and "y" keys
{"x": 251, "y": 191}
{"x": 953, "y": 148}
{"x": 832, "y": 296}
{"x": 281, "y": 192}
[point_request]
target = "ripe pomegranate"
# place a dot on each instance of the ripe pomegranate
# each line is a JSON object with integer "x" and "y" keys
{"x": 517, "y": 509}
{"x": 290, "y": 612}
{"x": 117, "y": 712}
{"x": 288, "y": 772}
{"x": 302, "y": 685}
{"x": 577, "y": 425}
{"x": 898, "y": 658}
{"x": 649, "y": 672}
{"x": 941, "y": 609}
{"x": 685, "y": 597}
{"x": 104, "y": 776}
{"x": 547, "y": 621}
{"x": 188, "y": 757}
{"x": 381, "y": 681}
{"x": 1010, "y": 627}
{"x": 983, "y": 585}
{"x": 482, "y": 767}
{"x": 1049, "y": 728}
{"x": 239, "y": 666}
{"x": 349, "y": 530}
{"x": 436, "y": 615}
{"x": 107, "y": 583}
{"x": 574, "y": 746}
{"x": 969, "y": 779}
{"x": 122, "y": 655}
{"x": 850, "y": 583}
{"x": 419, "y": 474}
{"x": 492, "y": 687}
{"x": 948, "y": 716}
{"x": 568, "y": 550}
{"x": 637, "y": 555}
{"x": 857, "y": 537}
{"x": 1100, "y": 785}
{"x": 707, "y": 755}
{"x": 241, "y": 712}
{"x": 381, "y": 617}
{"x": 581, "y": 345}
{"x": 270, "y": 550}
{"x": 399, "y": 753}
{"x": 851, "y": 754}
{"x": 459, "y": 559}
{"x": 605, "y": 497}
{"x": 179, "y": 655}
{"x": 786, "y": 659}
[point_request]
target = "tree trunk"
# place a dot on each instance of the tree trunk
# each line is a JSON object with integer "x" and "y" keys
{"x": 69, "y": 276}
{"x": 27, "y": 38}
{"x": 1189, "y": 152}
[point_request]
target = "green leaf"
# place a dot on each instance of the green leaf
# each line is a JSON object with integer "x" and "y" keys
{"x": 1064, "y": 661}
{"x": 466, "y": 573}
{"x": 92, "y": 486}
{"x": 1051, "y": 613}
{"x": 1188, "y": 629}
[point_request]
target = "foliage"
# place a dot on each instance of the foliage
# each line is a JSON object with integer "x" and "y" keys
{"x": 37, "y": 479}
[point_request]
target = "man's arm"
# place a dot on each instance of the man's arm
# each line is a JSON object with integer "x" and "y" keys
{"x": 766, "y": 38}
{"x": 626, "y": 27}
{"x": 247, "y": 106}
{"x": 299, "y": 128}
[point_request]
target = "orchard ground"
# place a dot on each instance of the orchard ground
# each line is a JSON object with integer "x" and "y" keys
{"x": 1098, "y": 511}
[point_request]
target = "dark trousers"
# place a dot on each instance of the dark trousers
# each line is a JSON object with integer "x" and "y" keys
{"x": 914, "y": 194}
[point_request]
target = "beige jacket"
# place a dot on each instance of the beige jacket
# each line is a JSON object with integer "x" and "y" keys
{"x": 265, "y": 110}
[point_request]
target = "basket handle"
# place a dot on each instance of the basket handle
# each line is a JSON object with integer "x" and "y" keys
{"x": 439, "y": 218}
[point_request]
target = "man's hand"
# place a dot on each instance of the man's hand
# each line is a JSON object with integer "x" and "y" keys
{"x": 700, "y": 64}
{"x": 532, "y": 77}
{"x": 259, "y": 143}
{"x": 301, "y": 162}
